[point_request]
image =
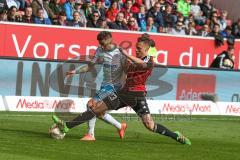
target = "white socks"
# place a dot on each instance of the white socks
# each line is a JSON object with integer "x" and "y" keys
{"x": 109, "y": 119}
{"x": 91, "y": 126}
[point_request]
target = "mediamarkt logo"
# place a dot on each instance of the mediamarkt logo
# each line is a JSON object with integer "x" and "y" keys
{"x": 45, "y": 104}
{"x": 233, "y": 109}
{"x": 183, "y": 108}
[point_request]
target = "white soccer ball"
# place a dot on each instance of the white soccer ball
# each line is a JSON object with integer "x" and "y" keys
{"x": 55, "y": 132}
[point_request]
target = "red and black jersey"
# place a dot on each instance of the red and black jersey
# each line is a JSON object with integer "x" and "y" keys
{"x": 137, "y": 75}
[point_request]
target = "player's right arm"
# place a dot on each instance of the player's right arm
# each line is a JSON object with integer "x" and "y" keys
{"x": 85, "y": 68}
{"x": 81, "y": 69}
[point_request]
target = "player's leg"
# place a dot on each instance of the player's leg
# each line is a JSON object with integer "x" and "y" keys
{"x": 141, "y": 108}
{"x": 91, "y": 127}
{"x": 95, "y": 108}
{"x": 113, "y": 102}
{"x": 121, "y": 127}
{"x": 91, "y": 123}
{"x": 158, "y": 128}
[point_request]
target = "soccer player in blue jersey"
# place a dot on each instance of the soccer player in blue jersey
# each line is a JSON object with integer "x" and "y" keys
{"x": 113, "y": 63}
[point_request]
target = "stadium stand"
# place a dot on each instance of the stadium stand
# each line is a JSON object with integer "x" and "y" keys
{"x": 196, "y": 17}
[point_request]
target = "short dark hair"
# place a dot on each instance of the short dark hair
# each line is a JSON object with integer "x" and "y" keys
{"x": 145, "y": 38}
{"x": 96, "y": 12}
{"x": 76, "y": 12}
{"x": 39, "y": 9}
{"x": 62, "y": 13}
{"x": 216, "y": 24}
{"x": 11, "y": 8}
{"x": 104, "y": 35}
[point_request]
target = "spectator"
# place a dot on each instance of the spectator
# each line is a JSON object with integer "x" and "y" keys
{"x": 236, "y": 29}
{"x": 150, "y": 27}
{"x": 21, "y": 4}
{"x": 100, "y": 8}
{"x": 141, "y": 17}
{"x": 184, "y": 7}
{"x": 103, "y": 24}
{"x": 132, "y": 24}
{"x": 155, "y": 13}
{"x": 3, "y": 15}
{"x": 95, "y": 21}
{"x": 222, "y": 21}
{"x": 136, "y": 6}
{"x": 197, "y": 13}
{"x": 205, "y": 30}
{"x": 13, "y": 15}
{"x": 127, "y": 9}
{"x": 39, "y": 19}
{"x": 119, "y": 23}
{"x": 227, "y": 33}
{"x": 178, "y": 30}
{"x": 173, "y": 4}
{"x": 163, "y": 4}
{"x": 2, "y": 5}
{"x": 215, "y": 31}
{"x": 56, "y": 7}
{"x": 27, "y": 17}
{"x": 11, "y": 3}
{"x": 50, "y": 13}
{"x": 225, "y": 60}
{"x": 213, "y": 20}
{"x": 112, "y": 12}
{"x": 76, "y": 20}
{"x": 69, "y": 9}
{"x": 39, "y": 4}
{"x": 168, "y": 17}
{"x": 88, "y": 9}
{"x": 190, "y": 19}
{"x": 207, "y": 8}
{"x": 190, "y": 30}
{"x": 78, "y": 7}
{"x": 62, "y": 19}
{"x": 150, "y": 3}
{"x": 180, "y": 17}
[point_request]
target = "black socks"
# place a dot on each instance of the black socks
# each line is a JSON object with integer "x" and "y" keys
{"x": 158, "y": 128}
{"x": 84, "y": 117}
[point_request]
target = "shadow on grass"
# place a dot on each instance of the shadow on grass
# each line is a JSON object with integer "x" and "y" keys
{"x": 26, "y": 132}
{"x": 137, "y": 138}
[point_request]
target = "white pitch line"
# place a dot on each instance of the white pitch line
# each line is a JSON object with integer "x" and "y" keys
{"x": 124, "y": 116}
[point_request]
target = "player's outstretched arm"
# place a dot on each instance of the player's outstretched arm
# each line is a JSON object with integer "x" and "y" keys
{"x": 81, "y": 69}
{"x": 132, "y": 58}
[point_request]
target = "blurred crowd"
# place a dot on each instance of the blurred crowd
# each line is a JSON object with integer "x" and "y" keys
{"x": 177, "y": 17}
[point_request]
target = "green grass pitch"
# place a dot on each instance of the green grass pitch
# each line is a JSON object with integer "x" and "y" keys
{"x": 24, "y": 136}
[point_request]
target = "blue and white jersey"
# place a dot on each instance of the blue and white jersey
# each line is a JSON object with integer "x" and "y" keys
{"x": 113, "y": 62}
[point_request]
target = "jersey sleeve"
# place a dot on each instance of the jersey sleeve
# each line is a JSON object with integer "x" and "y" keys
{"x": 148, "y": 65}
{"x": 97, "y": 55}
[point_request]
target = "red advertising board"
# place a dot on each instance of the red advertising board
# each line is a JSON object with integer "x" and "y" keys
{"x": 192, "y": 86}
{"x": 64, "y": 43}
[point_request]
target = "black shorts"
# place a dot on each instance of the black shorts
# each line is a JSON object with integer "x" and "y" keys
{"x": 136, "y": 100}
